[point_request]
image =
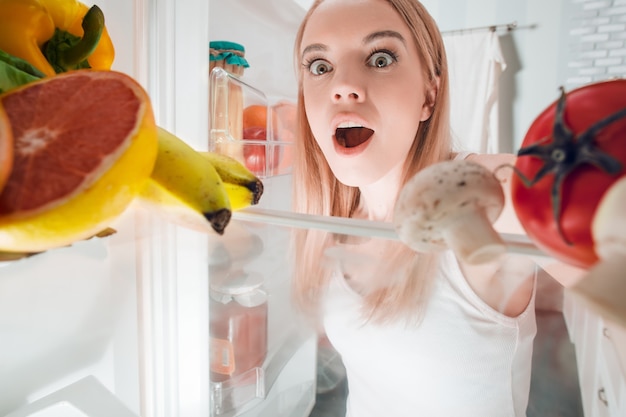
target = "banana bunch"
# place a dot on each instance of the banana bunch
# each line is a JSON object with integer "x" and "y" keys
{"x": 197, "y": 189}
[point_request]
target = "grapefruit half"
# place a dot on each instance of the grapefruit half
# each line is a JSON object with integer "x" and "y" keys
{"x": 84, "y": 144}
{"x": 6, "y": 148}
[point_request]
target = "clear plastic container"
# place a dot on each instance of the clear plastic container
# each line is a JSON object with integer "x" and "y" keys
{"x": 238, "y": 335}
{"x": 266, "y": 146}
{"x": 258, "y": 359}
{"x": 238, "y": 323}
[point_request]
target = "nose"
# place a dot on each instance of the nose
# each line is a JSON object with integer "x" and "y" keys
{"x": 347, "y": 87}
{"x": 346, "y": 95}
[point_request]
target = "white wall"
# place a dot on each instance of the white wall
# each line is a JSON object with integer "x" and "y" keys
{"x": 267, "y": 30}
{"x": 597, "y": 41}
{"x": 535, "y": 52}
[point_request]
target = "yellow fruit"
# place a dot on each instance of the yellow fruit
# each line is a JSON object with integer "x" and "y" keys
{"x": 6, "y": 148}
{"x": 172, "y": 208}
{"x": 183, "y": 172}
{"x": 85, "y": 143}
{"x": 242, "y": 186}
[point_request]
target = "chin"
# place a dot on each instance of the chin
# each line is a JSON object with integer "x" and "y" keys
{"x": 357, "y": 177}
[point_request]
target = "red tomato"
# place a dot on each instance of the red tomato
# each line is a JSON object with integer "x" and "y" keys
{"x": 254, "y": 154}
{"x": 572, "y": 153}
{"x": 255, "y": 115}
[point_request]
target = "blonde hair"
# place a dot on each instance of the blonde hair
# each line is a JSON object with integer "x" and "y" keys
{"x": 317, "y": 191}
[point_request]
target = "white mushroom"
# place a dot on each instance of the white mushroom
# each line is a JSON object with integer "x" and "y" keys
{"x": 604, "y": 286}
{"x": 452, "y": 204}
{"x": 608, "y": 228}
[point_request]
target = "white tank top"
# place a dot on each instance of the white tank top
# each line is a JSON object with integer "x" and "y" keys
{"x": 463, "y": 359}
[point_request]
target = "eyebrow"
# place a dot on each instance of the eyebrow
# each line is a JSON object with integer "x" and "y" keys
{"x": 368, "y": 39}
{"x": 314, "y": 47}
{"x": 383, "y": 34}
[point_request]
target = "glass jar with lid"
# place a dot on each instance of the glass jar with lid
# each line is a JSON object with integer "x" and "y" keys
{"x": 226, "y": 104}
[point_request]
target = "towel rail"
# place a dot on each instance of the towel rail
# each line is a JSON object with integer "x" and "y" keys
{"x": 508, "y": 27}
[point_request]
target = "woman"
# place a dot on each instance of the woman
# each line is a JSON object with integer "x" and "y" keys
{"x": 419, "y": 334}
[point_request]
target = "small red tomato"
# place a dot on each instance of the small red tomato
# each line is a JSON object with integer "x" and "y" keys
{"x": 572, "y": 153}
{"x": 255, "y": 154}
{"x": 255, "y": 115}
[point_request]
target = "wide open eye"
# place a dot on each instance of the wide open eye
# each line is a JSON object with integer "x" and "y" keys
{"x": 319, "y": 67}
{"x": 381, "y": 59}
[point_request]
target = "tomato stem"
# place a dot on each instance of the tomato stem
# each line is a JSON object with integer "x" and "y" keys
{"x": 566, "y": 152}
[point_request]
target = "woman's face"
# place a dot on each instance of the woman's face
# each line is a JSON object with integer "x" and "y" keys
{"x": 363, "y": 85}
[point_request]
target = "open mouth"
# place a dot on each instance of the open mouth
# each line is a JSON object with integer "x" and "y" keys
{"x": 349, "y": 137}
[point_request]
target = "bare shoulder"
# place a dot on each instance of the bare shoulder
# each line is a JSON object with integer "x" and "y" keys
{"x": 493, "y": 161}
{"x": 507, "y": 222}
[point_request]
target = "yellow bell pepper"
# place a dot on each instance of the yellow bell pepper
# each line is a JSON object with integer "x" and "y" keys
{"x": 25, "y": 26}
{"x": 55, "y": 35}
{"x": 68, "y": 15}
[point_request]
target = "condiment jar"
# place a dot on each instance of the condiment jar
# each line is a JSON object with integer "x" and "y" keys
{"x": 228, "y": 55}
{"x": 226, "y": 110}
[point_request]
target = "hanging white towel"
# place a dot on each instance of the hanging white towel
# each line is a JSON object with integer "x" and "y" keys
{"x": 475, "y": 64}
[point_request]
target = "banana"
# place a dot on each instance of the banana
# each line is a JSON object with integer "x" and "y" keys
{"x": 186, "y": 188}
{"x": 243, "y": 187}
{"x": 177, "y": 188}
{"x": 169, "y": 206}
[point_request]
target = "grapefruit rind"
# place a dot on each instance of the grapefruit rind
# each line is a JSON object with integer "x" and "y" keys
{"x": 92, "y": 210}
{"x": 6, "y": 148}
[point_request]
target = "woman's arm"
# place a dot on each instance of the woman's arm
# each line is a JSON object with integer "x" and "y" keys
{"x": 505, "y": 285}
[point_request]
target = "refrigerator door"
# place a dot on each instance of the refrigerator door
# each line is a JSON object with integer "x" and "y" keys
{"x": 69, "y": 326}
{"x": 67, "y": 314}
{"x": 106, "y": 311}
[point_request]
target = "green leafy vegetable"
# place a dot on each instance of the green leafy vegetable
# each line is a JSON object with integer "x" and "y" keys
{"x": 15, "y": 72}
